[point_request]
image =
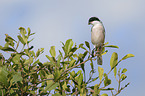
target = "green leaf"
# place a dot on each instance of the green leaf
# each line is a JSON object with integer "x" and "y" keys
{"x": 104, "y": 52}
{"x": 60, "y": 54}
{"x": 94, "y": 79}
{"x": 72, "y": 62}
{"x": 87, "y": 44}
{"x": 106, "y": 43}
{"x": 9, "y": 40}
{"x": 107, "y": 89}
{"x": 80, "y": 79}
{"x": 127, "y": 56}
{"x": 75, "y": 55}
{"x": 68, "y": 46}
{"x": 9, "y": 37}
{"x": 37, "y": 61}
{"x": 27, "y": 52}
{"x": 52, "y": 51}
{"x": 104, "y": 94}
{"x": 29, "y": 61}
{"x": 50, "y": 76}
{"x": 2, "y": 92}
{"x": 79, "y": 72}
{"x": 7, "y": 49}
{"x": 96, "y": 90}
{"x": 6, "y": 45}
{"x": 119, "y": 70}
{"x": 81, "y": 46}
{"x": 114, "y": 60}
{"x": 84, "y": 55}
{"x": 72, "y": 74}
{"x": 101, "y": 71}
{"x": 37, "y": 53}
{"x": 1, "y": 47}
{"x": 35, "y": 76}
{"x": 123, "y": 77}
{"x": 17, "y": 77}
{"x": 58, "y": 61}
{"x": 56, "y": 94}
{"x": 3, "y": 76}
{"x": 115, "y": 71}
{"x": 42, "y": 74}
{"x": 124, "y": 70}
{"x": 81, "y": 55}
{"x": 127, "y": 84}
{"x": 30, "y": 47}
{"x": 33, "y": 53}
{"x": 32, "y": 34}
{"x": 57, "y": 74}
{"x": 112, "y": 46}
{"x": 92, "y": 65}
{"x": 50, "y": 59}
{"x": 72, "y": 51}
{"x": 16, "y": 59}
{"x": 51, "y": 85}
{"x": 23, "y": 32}
{"x": 106, "y": 81}
{"x": 29, "y": 31}
{"x": 64, "y": 85}
{"x": 21, "y": 39}
{"x": 30, "y": 40}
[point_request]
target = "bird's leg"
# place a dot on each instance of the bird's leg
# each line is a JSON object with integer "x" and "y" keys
{"x": 93, "y": 52}
{"x": 97, "y": 50}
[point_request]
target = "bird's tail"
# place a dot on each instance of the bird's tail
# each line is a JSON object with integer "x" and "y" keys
{"x": 99, "y": 59}
{"x": 99, "y": 55}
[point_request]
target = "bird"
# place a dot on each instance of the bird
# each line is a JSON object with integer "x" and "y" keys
{"x": 97, "y": 36}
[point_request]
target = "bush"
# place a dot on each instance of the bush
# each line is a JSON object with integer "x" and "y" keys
{"x": 23, "y": 74}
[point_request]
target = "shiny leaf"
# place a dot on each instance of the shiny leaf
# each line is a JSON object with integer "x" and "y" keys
{"x": 127, "y": 56}
{"x": 96, "y": 90}
{"x": 115, "y": 71}
{"x": 124, "y": 70}
{"x": 21, "y": 39}
{"x": 3, "y": 76}
{"x": 51, "y": 85}
{"x": 104, "y": 94}
{"x": 17, "y": 77}
{"x": 29, "y": 61}
{"x": 87, "y": 44}
{"x": 101, "y": 71}
{"x": 106, "y": 81}
{"x": 114, "y": 60}
{"x": 68, "y": 46}
{"x": 52, "y": 51}
{"x": 112, "y": 46}
{"x": 7, "y": 49}
{"x": 16, "y": 59}
{"x": 123, "y": 76}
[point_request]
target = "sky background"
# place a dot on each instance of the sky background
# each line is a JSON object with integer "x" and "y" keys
{"x": 58, "y": 20}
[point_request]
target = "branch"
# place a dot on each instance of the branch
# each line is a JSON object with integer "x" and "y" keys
{"x": 75, "y": 66}
{"x": 121, "y": 89}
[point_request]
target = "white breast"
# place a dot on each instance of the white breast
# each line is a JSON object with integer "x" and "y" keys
{"x": 97, "y": 35}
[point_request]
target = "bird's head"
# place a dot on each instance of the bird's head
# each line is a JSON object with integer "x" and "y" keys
{"x": 93, "y": 21}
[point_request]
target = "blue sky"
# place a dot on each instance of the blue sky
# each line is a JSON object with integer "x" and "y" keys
{"x": 58, "y": 20}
